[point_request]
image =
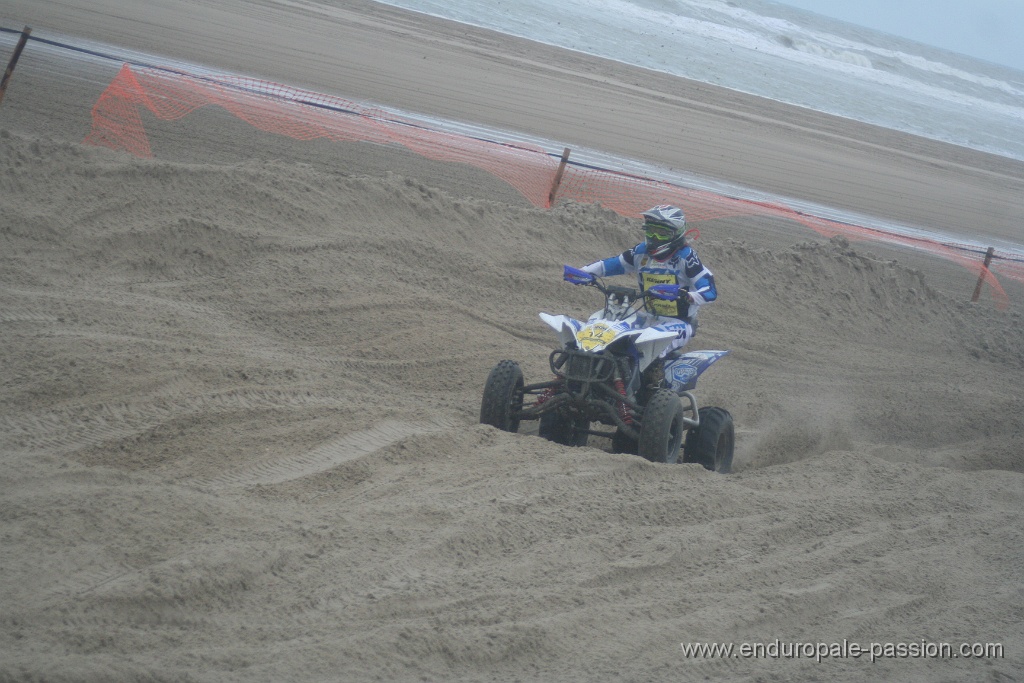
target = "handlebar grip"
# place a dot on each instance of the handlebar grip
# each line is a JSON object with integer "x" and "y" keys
{"x": 577, "y": 277}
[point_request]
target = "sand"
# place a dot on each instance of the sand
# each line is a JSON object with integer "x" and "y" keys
{"x": 241, "y": 383}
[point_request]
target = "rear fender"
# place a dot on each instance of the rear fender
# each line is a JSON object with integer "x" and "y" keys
{"x": 682, "y": 372}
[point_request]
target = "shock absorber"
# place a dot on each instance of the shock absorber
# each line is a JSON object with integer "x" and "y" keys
{"x": 620, "y": 386}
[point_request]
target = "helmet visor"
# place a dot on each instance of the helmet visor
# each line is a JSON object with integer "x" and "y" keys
{"x": 659, "y": 233}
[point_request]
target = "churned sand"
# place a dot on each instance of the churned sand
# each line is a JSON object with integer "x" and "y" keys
{"x": 241, "y": 381}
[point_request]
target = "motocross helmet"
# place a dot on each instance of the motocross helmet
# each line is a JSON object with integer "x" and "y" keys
{"x": 663, "y": 230}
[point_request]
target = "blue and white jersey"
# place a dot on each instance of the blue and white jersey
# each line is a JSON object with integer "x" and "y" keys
{"x": 683, "y": 268}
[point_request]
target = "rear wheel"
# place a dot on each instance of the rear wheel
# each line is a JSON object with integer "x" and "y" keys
{"x": 503, "y": 397}
{"x": 564, "y": 428}
{"x": 713, "y": 442}
{"x": 661, "y": 432}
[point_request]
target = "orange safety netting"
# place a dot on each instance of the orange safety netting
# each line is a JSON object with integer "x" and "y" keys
{"x": 305, "y": 115}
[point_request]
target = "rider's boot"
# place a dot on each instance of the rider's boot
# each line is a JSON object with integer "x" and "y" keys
{"x": 654, "y": 375}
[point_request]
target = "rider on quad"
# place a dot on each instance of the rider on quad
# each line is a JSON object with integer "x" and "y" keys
{"x": 621, "y": 367}
{"x": 665, "y": 257}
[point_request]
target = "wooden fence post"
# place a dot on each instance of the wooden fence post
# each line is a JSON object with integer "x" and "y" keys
{"x": 14, "y": 61}
{"x": 558, "y": 177}
{"x": 981, "y": 275}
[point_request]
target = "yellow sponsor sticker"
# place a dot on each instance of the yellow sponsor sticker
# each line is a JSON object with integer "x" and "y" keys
{"x": 596, "y": 335}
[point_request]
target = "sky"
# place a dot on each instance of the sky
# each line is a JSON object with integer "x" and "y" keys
{"x": 992, "y": 30}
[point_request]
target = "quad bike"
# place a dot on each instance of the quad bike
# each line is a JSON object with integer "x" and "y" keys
{"x": 608, "y": 371}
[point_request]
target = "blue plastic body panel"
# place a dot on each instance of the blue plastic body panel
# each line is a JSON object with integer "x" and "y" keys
{"x": 681, "y": 373}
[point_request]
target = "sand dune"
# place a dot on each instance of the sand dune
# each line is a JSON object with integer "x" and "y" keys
{"x": 239, "y": 432}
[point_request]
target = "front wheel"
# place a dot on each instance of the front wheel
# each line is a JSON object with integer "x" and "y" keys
{"x": 503, "y": 397}
{"x": 623, "y": 443}
{"x": 712, "y": 443}
{"x": 661, "y": 432}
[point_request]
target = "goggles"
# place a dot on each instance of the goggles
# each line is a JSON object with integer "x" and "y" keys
{"x": 659, "y": 233}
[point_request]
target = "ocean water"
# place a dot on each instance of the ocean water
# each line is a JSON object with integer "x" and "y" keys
{"x": 778, "y": 52}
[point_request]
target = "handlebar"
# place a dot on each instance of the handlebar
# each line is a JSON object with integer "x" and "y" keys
{"x": 664, "y": 292}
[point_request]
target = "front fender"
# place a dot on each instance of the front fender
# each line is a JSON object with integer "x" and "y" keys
{"x": 652, "y": 334}
{"x": 652, "y": 342}
{"x": 564, "y": 326}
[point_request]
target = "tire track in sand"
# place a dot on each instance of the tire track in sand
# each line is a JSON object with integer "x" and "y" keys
{"x": 324, "y": 457}
{"x": 77, "y": 427}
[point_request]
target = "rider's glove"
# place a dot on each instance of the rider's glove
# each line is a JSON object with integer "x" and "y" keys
{"x": 595, "y": 268}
